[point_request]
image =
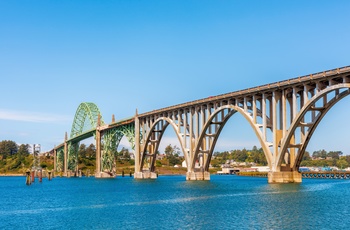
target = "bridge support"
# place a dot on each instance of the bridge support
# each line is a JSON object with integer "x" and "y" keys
{"x": 104, "y": 175}
{"x": 145, "y": 175}
{"x": 284, "y": 177}
{"x": 65, "y": 163}
{"x": 197, "y": 176}
{"x": 54, "y": 160}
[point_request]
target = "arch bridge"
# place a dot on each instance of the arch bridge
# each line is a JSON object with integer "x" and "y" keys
{"x": 283, "y": 115}
{"x": 89, "y": 123}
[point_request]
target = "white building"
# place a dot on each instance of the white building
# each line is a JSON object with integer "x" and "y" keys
{"x": 261, "y": 168}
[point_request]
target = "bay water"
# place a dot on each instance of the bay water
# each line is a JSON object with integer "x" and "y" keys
{"x": 171, "y": 202}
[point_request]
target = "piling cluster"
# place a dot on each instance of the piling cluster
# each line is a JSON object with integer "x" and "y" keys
{"x": 30, "y": 176}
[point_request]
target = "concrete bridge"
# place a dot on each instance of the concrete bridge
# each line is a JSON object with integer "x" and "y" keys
{"x": 283, "y": 115}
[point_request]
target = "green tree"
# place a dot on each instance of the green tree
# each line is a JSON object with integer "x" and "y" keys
{"x": 8, "y": 148}
{"x": 342, "y": 163}
{"x": 82, "y": 151}
{"x": 91, "y": 151}
{"x": 173, "y": 154}
{"x": 306, "y": 156}
{"x": 334, "y": 154}
{"x": 320, "y": 153}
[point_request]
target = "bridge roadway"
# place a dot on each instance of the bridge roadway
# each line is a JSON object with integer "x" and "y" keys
{"x": 283, "y": 115}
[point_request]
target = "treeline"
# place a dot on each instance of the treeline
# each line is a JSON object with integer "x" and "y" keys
{"x": 16, "y": 158}
{"x": 254, "y": 155}
{"x": 322, "y": 158}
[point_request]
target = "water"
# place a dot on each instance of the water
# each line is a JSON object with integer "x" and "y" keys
{"x": 171, "y": 202}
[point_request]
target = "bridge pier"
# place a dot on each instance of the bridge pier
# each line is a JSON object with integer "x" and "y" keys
{"x": 197, "y": 176}
{"x": 104, "y": 175}
{"x": 145, "y": 175}
{"x": 284, "y": 177}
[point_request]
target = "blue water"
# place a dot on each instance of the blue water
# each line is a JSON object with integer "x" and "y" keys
{"x": 171, "y": 202}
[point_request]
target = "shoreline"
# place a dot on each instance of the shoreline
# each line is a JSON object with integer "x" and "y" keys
{"x": 11, "y": 174}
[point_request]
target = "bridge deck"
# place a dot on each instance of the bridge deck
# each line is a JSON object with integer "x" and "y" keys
{"x": 259, "y": 89}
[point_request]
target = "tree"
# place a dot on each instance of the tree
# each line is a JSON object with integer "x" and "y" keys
{"x": 8, "y": 148}
{"x": 172, "y": 154}
{"x": 258, "y": 156}
{"x": 82, "y": 151}
{"x": 334, "y": 154}
{"x": 170, "y": 150}
{"x": 342, "y": 163}
{"x": 319, "y": 154}
{"x": 306, "y": 156}
{"x": 23, "y": 150}
{"x": 91, "y": 151}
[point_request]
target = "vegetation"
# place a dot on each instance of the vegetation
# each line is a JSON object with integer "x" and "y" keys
{"x": 255, "y": 155}
{"x": 16, "y": 158}
{"x": 322, "y": 158}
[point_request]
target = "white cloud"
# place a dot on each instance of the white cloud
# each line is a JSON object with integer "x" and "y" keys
{"x": 32, "y": 116}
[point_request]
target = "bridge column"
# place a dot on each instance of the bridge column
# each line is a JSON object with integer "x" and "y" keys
{"x": 139, "y": 174}
{"x": 98, "y": 152}
{"x": 65, "y": 171}
{"x": 99, "y": 173}
{"x": 54, "y": 160}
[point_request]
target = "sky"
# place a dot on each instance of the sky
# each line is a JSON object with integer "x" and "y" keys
{"x": 150, "y": 54}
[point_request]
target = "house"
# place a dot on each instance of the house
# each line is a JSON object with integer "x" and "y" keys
{"x": 160, "y": 156}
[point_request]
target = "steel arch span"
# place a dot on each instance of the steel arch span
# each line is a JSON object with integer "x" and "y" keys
{"x": 85, "y": 119}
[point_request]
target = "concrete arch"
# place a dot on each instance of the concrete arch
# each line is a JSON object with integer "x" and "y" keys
{"x": 309, "y": 106}
{"x": 158, "y": 140}
{"x": 232, "y": 110}
{"x": 86, "y": 110}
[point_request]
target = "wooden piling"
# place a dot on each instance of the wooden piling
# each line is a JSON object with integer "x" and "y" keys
{"x": 28, "y": 180}
{"x": 40, "y": 175}
{"x": 32, "y": 175}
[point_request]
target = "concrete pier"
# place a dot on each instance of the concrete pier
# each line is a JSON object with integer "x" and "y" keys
{"x": 197, "y": 176}
{"x": 104, "y": 175}
{"x": 284, "y": 177}
{"x": 145, "y": 175}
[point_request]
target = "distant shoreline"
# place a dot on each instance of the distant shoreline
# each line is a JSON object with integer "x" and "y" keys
{"x": 12, "y": 174}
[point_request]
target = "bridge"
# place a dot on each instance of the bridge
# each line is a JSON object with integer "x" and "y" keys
{"x": 283, "y": 115}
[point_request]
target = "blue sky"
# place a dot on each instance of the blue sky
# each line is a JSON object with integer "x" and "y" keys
{"x": 124, "y": 55}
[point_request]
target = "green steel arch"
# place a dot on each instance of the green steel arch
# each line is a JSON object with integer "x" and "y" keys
{"x": 85, "y": 119}
{"x": 110, "y": 142}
